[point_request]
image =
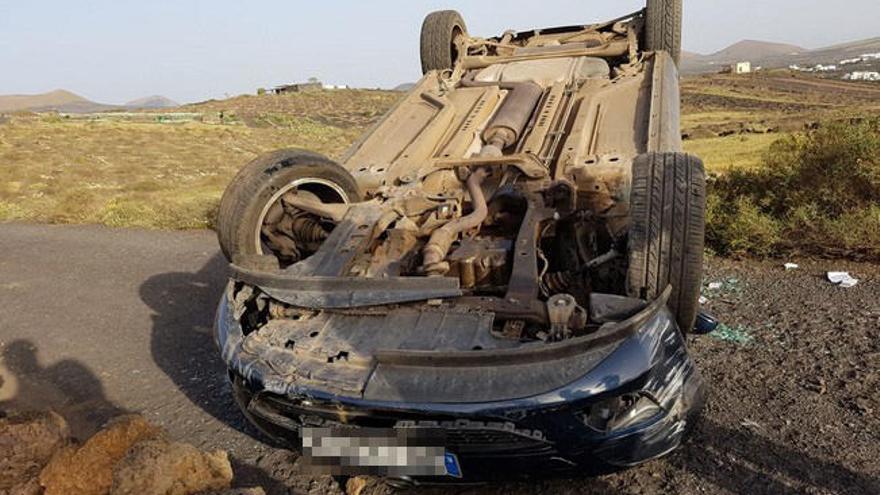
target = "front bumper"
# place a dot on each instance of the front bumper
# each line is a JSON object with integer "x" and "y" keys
{"x": 565, "y": 431}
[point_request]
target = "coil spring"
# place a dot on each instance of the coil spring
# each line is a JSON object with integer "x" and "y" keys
{"x": 558, "y": 282}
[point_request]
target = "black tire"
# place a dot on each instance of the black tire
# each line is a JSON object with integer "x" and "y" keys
{"x": 663, "y": 27}
{"x": 245, "y": 200}
{"x": 439, "y": 32}
{"x": 667, "y": 235}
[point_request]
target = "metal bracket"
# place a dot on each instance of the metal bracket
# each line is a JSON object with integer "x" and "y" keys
{"x": 527, "y": 163}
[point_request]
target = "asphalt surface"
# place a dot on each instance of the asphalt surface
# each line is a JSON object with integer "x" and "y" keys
{"x": 95, "y": 322}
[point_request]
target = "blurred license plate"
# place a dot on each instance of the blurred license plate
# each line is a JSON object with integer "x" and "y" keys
{"x": 379, "y": 452}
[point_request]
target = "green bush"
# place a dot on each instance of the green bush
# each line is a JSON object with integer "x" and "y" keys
{"x": 816, "y": 192}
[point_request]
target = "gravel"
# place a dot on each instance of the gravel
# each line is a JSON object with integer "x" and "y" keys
{"x": 98, "y": 322}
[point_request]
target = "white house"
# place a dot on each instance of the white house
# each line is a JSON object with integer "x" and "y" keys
{"x": 741, "y": 68}
{"x": 863, "y": 76}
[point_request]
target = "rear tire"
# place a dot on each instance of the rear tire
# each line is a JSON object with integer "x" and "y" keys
{"x": 440, "y": 32}
{"x": 247, "y": 199}
{"x": 667, "y": 235}
{"x": 663, "y": 27}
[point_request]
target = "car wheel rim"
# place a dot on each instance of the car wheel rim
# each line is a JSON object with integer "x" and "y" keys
{"x": 316, "y": 188}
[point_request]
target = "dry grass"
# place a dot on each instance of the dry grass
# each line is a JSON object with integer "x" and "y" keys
{"x": 129, "y": 174}
{"x": 171, "y": 175}
{"x": 341, "y": 108}
{"x": 722, "y": 154}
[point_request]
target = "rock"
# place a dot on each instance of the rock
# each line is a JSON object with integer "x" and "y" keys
{"x": 816, "y": 385}
{"x": 160, "y": 467}
{"x": 29, "y": 487}
{"x": 27, "y": 444}
{"x": 88, "y": 470}
{"x": 356, "y": 485}
{"x": 240, "y": 491}
{"x": 863, "y": 407}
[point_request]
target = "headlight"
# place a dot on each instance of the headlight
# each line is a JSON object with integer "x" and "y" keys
{"x": 622, "y": 412}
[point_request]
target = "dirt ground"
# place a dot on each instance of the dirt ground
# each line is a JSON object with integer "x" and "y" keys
{"x": 99, "y": 322}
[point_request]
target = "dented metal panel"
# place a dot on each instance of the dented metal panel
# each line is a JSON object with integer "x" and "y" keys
{"x": 337, "y": 349}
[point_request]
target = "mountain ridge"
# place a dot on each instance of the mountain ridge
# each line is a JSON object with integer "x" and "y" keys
{"x": 152, "y": 102}
{"x": 770, "y": 54}
{"x": 64, "y": 101}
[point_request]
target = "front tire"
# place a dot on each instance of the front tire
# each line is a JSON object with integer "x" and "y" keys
{"x": 663, "y": 27}
{"x": 255, "y": 195}
{"x": 667, "y": 235}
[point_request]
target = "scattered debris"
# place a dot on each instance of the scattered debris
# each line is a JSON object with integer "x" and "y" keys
{"x": 791, "y": 266}
{"x": 748, "y": 423}
{"x": 842, "y": 279}
{"x": 704, "y": 300}
{"x": 715, "y": 286}
{"x": 737, "y": 335}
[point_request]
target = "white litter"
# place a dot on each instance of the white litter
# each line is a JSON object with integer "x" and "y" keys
{"x": 704, "y": 300}
{"x": 715, "y": 286}
{"x": 843, "y": 279}
{"x": 792, "y": 266}
{"x": 748, "y": 423}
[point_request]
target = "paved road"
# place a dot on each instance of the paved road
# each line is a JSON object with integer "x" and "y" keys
{"x": 95, "y": 322}
{"x": 98, "y": 321}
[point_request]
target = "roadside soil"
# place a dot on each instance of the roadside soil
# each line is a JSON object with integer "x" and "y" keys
{"x": 99, "y": 322}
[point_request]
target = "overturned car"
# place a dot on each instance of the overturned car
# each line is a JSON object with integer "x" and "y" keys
{"x": 496, "y": 280}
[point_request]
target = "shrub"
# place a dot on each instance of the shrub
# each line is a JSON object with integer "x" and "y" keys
{"x": 740, "y": 227}
{"x": 816, "y": 192}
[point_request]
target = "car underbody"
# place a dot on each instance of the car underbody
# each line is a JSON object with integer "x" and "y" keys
{"x": 480, "y": 273}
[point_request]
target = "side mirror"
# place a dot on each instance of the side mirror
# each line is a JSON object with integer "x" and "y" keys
{"x": 705, "y": 324}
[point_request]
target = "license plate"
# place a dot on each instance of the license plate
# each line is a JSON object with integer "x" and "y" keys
{"x": 378, "y": 452}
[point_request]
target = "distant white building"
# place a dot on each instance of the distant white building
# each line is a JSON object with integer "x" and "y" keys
{"x": 741, "y": 68}
{"x": 815, "y": 68}
{"x": 863, "y": 76}
{"x": 865, "y": 57}
{"x": 335, "y": 86}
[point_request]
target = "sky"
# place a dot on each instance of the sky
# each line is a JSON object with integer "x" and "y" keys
{"x": 113, "y": 51}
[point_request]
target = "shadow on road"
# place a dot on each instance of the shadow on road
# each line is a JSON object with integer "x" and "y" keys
{"x": 67, "y": 387}
{"x": 743, "y": 462}
{"x": 182, "y": 342}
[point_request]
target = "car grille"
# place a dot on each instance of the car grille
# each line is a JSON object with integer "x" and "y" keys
{"x": 462, "y": 436}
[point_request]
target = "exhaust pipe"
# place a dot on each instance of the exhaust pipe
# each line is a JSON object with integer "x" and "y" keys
{"x": 437, "y": 248}
{"x": 503, "y": 131}
{"x": 507, "y": 127}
